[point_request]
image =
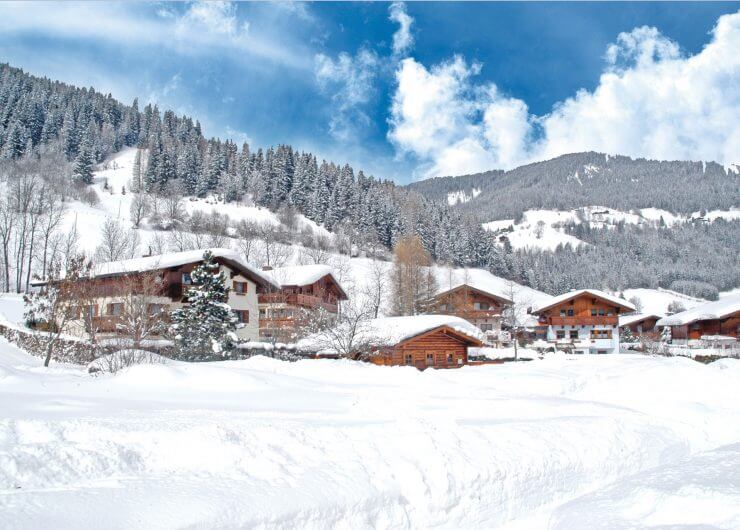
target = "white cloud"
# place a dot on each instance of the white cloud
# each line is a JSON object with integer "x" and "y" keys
{"x": 202, "y": 28}
{"x": 349, "y": 79}
{"x": 651, "y": 101}
{"x": 402, "y": 38}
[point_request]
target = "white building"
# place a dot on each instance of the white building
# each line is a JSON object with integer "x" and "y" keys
{"x": 584, "y": 321}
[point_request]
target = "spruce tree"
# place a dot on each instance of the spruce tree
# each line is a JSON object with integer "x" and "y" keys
{"x": 204, "y": 328}
{"x": 83, "y": 167}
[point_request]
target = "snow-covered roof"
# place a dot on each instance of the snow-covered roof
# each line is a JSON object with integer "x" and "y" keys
{"x": 573, "y": 294}
{"x": 485, "y": 282}
{"x": 175, "y": 259}
{"x": 711, "y": 311}
{"x": 389, "y": 331}
{"x": 626, "y": 320}
{"x": 300, "y": 275}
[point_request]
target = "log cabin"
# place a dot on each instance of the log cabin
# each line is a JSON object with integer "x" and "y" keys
{"x": 422, "y": 341}
{"x": 474, "y": 303}
{"x": 639, "y": 323}
{"x": 304, "y": 291}
{"x": 584, "y": 321}
{"x": 110, "y": 287}
{"x": 713, "y": 319}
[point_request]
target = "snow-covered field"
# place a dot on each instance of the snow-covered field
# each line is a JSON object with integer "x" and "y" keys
{"x": 567, "y": 442}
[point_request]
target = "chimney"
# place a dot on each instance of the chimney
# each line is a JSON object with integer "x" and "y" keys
{"x": 148, "y": 252}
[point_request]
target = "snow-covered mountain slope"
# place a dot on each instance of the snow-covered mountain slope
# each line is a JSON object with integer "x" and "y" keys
{"x": 339, "y": 444}
{"x": 116, "y": 174}
{"x": 543, "y": 229}
{"x": 656, "y": 301}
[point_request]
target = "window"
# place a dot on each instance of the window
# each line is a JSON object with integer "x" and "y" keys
{"x": 601, "y": 351}
{"x": 593, "y": 312}
{"x": 430, "y": 359}
{"x": 602, "y": 312}
{"x": 481, "y": 306}
{"x": 560, "y": 333}
{"x": 562, "y": 312}
{"x": 486, "y": 327}
{"x": 570, "y": 312}
{"x": 409, "y": 360}
{"x": 601, "y": 333}
{"x": 443, "y": 307}
{"x": 241, "y": 288}
{"x": 573, "y": 333}
{"x": 186, "y": 279}
{"x": 115, "y": 310}
{"x": 155, "y": 309}
{"x": 449, "y": 358}
{"x": 242, "y": 316}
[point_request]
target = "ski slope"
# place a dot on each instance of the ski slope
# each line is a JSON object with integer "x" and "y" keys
{"x": 565, "y": 442}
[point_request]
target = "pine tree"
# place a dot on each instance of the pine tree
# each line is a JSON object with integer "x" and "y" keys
{"x": 204, "y": 328}
{"x": 83, "y": 166}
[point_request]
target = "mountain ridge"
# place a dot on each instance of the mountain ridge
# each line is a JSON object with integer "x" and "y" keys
{"x": 578, "y": 180}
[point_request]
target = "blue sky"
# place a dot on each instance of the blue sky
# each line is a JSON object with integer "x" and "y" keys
{"x": 408, "y": 91}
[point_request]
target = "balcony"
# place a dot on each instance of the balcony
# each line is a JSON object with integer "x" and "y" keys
{"x": 298, "y": 300}
{"x": 581, "y": 321}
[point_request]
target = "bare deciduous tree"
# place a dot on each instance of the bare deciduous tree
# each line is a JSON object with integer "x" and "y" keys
{"x": 57, "y": 302}
{"x": 118, "y": 242}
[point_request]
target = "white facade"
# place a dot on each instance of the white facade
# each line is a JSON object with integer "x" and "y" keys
{"x": 587, "y": 340}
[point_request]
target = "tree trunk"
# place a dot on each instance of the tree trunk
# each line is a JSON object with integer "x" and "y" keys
{"x": 49, "y": 350}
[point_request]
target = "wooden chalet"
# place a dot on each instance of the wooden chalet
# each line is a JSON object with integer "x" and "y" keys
{"x": 639, "y": 323}
{"x": 303, "y": 291}
{"x": 479, "y": 307}
{"x": 584, "y": 321}
{"x": 422, "y": 341}
{"x": 714, "y": 319}
{"x": 163, "y": 280}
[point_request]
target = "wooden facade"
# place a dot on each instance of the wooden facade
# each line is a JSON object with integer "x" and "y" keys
{"x": 582, "y": 323}
{"x": 727, "y": 326}
{"x": 480, "y": 308}
{"x": 644, "y": 325}
{"x": 442, "y": 347}
{"x": 583, "y": 310}
{"x": 284, "y": 312}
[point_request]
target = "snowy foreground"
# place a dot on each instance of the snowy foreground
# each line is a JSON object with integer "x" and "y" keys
{"x": 566, "y": 442}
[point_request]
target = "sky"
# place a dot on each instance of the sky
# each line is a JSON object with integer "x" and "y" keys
{"x": 409, "y": 91}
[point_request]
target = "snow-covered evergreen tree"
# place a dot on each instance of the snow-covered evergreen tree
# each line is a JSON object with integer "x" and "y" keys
{"x": 204, "y": 328}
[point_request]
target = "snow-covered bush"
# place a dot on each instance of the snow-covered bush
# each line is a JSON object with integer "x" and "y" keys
{"x": 113, "y": 362}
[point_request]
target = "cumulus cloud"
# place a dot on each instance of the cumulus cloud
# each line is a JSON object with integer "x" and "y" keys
{"x": 402, "y": 38}
{"x": 651, "y": 101}
{"x": 350, "y": 81}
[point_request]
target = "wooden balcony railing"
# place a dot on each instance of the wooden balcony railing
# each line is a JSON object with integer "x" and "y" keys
{"x": 580, "y": 321}
{"x": 300, "y": 300}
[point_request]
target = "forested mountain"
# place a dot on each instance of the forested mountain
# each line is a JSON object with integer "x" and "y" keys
{"x": 41, "y": 118}
{"x": 56, "y": 133}
{"x": 588, "y": 179}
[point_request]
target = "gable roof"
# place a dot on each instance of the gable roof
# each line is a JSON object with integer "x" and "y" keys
{"x": 391, "y": 331}
{"x": 581, "y": 292}
{"x": 503, "y": 299}
{"x": 626, "y": 320}
{"x": 488, "y": 284}
{"x": 710, "y": 311}
{"x": 302, "y": 275}
{"x": 176, "y": 259}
